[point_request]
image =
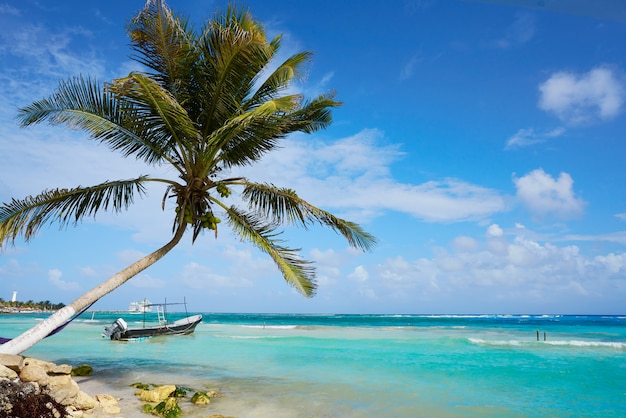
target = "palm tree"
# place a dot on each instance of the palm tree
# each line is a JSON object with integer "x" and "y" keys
{"x": 207, "y": 104}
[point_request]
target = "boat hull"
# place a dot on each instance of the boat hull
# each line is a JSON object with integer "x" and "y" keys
{"x": 180, "y": 327}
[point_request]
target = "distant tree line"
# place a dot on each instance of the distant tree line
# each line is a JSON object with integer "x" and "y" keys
{"x": 31, "y": 306}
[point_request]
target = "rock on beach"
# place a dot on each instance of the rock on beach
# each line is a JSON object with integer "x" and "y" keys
{"x": 36, "y": 380}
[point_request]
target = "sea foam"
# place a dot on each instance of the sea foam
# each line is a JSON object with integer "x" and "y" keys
{"x": 569, "y": 343}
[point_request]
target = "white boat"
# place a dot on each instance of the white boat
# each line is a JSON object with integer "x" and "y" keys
{"x": 141, "y": 306}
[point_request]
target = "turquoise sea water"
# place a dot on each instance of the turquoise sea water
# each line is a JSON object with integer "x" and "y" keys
{"x": 365, "y": 365}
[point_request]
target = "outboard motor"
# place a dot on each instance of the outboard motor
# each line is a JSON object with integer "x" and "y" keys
{"x": 115, "y": 330}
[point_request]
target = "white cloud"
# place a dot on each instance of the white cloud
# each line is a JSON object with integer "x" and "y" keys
{"x": 130, "y": 256}
{"x": 353, "y": 175}
{"x": 401, "y": 275}
{"x": 51, "y": 54}
{"x": 9, "y": 10}
{"x": 494, "y": 230}
{"x": 145, "y": 281}
{"x": 621, "y": 216}
{"x": 448, "y": 200}
{"x": 409, "y": 68}
{"x": 528, "y": 136}
{"x": 618, "y": 237}
{"x": 359, "y": 274}
{"x": 583, "y": 98}
{"x": 496, "y": 241}
{"x": 519, "y": 32}
{"x": 54, "y": 276}
{"x": 613, "y": 263}
{"x": 89, "y": 272}
{"x": 543, "y": 194}
{"x": 527, "y": 270}
{"x": 197, "y": 276}
{"x": 464, "y": 244}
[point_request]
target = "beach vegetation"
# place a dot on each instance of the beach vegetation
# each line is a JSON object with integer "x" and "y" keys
{"x": 168, "y": 409}
{"x": 179, "y": 392}
{"x": 30, "y": 305}
{"x": 142, "y": 386}
{"x": 82, "y": 370}
{"x": 207, "y": 104}
{"x": 200, "y": 398}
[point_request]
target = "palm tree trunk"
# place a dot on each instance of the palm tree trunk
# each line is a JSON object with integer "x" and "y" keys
{"x": 31, "y": 337}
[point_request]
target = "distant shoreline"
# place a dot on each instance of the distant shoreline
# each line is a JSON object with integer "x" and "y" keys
{"x": 19, "y": 310}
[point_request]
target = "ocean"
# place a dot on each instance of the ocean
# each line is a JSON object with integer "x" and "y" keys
{"x": 360, "y": 365}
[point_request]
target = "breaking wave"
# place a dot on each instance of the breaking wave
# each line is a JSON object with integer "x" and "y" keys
{"x": 570, "y": 343}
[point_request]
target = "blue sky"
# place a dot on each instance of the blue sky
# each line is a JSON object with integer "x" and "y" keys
{"x": 482, "y": 142}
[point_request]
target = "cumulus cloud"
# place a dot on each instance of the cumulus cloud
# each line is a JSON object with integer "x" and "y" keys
{"x": 496, "y": 241}
{"x": 54, "y": 276}
{"x": 536, "y": 271}
{"x": 353, "y": 175}
{"x": 494, "y": 231}
{"x": 359, "y": 274}
{"x": 543, "y": 194}
{"x": 464, "y": 244}
{"x": 583, "y": 98}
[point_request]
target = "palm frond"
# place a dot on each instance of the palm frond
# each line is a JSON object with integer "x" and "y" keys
{"x": 66, "y": 206}
{"x": 297, "y": 272}
{"x": 280, "y": 79}
{"x": 285, "y": 206}
{"x": 156, "y": 113}
{"x": 234, "y": 53}
{"x": 314, "y": 115}
{"x": 245, "y": 138}
{"x": 163, "y": 43}
{"x": 83, "y": 104}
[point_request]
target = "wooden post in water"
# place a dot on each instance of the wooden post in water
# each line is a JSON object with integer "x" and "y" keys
{"x": 537, "y": 335}
{"x": 544, "y": 335}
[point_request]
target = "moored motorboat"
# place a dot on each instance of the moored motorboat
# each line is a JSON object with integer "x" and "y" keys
{"x": 119, "y": 329}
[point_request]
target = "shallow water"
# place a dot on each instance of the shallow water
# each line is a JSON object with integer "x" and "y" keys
{"x": 363, "y": 365}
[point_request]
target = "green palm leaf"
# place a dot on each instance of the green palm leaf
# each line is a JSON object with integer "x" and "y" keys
{"x": 280, "y": 79}
{"x": 65, "y": 206}
{"x": 163, "y": 43}
{"x": 83, "y": 104}
{"x": 153, "y": 111}
{"x": 283, "y": 205}
{"x": 234, "y": 52}
{"x": 297, "y": 272}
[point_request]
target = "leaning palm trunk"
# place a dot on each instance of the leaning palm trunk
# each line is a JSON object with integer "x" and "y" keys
{"x": 40, "y": 331}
